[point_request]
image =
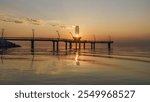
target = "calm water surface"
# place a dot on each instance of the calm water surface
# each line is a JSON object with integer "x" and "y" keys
{"x": 121, "y": 65}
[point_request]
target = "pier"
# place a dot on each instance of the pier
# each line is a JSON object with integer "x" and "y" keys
{"x": 76, "y": 39}
{"x": 56, "y": 41}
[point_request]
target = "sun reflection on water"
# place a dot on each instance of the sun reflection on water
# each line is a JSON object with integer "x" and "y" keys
{"x": 77, "y": 58}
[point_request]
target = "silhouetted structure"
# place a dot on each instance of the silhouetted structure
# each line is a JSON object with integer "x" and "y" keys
{"x": 6, "y": 44}
{"x": 56, "y": 42}
{"x": 77, "y": 30}
{"x": 76, "y": 39}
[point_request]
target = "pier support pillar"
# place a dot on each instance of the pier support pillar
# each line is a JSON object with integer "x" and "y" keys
{"x": 66, "y": 45}
{"x": 91, "y": 45}
{"x": 109, "y": 45}
{"x": 70, "y": 46}
{"x": 32, "y": 44}
{"x": 76, "y": 45}
{"x": 53, "y": 45}
{"x": 79, "y": 45}
{"x": 94, "y": 45}
{"x": 84, "y": 45}
{"x": 57, "y": 46}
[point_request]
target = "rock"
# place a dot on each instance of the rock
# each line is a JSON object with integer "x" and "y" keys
{"x": 6, "y": 44}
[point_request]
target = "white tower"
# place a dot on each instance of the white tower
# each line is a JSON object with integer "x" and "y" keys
{"x": 77, "y": 30}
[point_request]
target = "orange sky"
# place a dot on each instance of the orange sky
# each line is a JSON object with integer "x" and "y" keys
{"x": 121, "y": 19}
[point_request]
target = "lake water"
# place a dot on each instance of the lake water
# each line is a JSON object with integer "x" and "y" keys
{"x": 121, "y": 65}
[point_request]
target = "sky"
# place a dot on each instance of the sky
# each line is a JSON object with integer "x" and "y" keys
{"x": 123, "y": 20}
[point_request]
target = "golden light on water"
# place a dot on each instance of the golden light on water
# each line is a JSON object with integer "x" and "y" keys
{"x": 77, "y": 58}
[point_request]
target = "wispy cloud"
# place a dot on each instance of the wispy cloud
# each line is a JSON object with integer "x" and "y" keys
{"x": 63, "y": 26}
{"x": 32, "y": 21}
{"x": 10, "y": 19}
{"x": 18, "y": 20}
{"x": 28, "y": 20}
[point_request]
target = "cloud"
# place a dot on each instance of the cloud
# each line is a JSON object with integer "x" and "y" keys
{"x": 67, "y": 26}
{"x": 53, "y": 25}
{"x": 33, "y": 21}
{"x": 28, "y": 20}
{"x": 63, "y": 26}
{"x": 10, "y": 19}
{"x": 17, "y": 20}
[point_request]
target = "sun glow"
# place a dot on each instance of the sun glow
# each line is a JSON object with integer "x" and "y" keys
{"x": 77, "y": 58}
{"x": 77, "y": 35}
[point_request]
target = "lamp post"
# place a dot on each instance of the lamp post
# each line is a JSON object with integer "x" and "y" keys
{"x": 33, "y": 33}
{"x": 2, "y": 36}
{"x": 32, "y": 41}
